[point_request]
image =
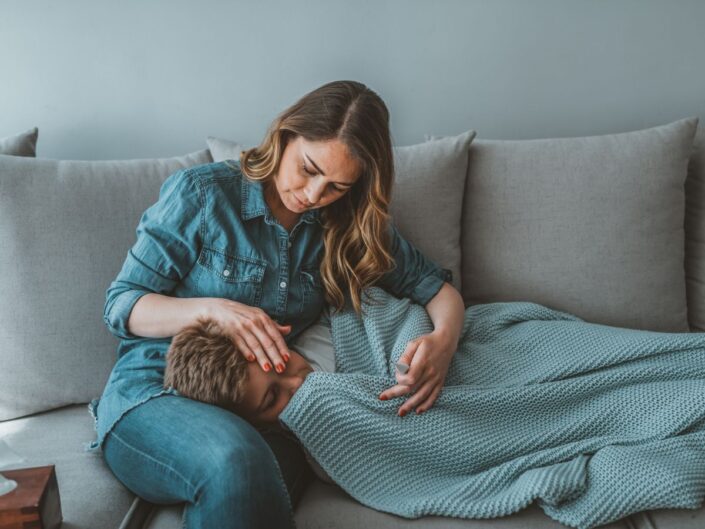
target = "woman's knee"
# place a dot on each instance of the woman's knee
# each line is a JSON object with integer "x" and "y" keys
{"x": 144, "y": 474}
{"x": 236, "y": 475}
{"x": 172, "y": 447}
{"x": 236, "y": 452}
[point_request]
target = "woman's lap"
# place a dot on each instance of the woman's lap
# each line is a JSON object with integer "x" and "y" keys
{"x": 171, "y": 449}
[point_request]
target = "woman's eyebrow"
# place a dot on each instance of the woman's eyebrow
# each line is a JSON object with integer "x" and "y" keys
{"x": 324, "y": 174}
{"x": 314, "y": 164}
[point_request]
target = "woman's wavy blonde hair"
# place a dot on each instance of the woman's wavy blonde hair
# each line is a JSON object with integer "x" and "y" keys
{"x": 356, "y": 226}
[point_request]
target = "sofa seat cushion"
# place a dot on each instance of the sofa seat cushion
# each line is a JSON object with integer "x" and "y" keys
{"x": 328, "y": 506}
{"x": 90, "y": 495}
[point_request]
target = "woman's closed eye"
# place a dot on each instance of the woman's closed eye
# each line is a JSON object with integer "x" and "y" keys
{"x": 314, "y": 174}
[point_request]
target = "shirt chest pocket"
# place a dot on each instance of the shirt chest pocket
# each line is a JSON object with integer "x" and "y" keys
{"x": 234, "y": 277}
{"x": 313, "y": 296}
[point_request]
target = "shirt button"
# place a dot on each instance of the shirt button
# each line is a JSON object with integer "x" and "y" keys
{"x": 226, "y": 273}
{"x": 282, "y": 284}
{"x": 288, "y": 244}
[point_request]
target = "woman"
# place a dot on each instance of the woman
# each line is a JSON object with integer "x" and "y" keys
{"x": 258, "y": 244}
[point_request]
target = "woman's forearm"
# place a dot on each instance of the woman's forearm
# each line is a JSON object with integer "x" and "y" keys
{"x": 159, "y": 316}
{"x": 447, "y": 312}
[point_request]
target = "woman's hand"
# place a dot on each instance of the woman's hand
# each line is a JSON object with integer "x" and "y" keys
{"x": 255, "y": 334}
{"x": 428, "y": 358}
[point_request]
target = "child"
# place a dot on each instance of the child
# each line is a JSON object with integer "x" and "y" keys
{"x": 203, "y": 364}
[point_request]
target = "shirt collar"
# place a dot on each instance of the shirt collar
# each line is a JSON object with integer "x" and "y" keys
{"x": 253, "y": 203}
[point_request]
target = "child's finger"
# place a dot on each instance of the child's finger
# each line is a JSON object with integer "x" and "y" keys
{"x": 416, "y": 368}
{"x": 414, "y": 377}
{"x": 409, "y": 352}
{"x": 428, "y": 403}
{"x": 417, "y": 398}
{"x": 395, "y": 391}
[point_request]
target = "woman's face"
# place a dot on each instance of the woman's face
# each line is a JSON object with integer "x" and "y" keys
{"x": 266, "y": 394}
{"x": 314, "y": 174}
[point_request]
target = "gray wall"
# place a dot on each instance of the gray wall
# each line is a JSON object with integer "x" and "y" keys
{"x": 134, "y": 78}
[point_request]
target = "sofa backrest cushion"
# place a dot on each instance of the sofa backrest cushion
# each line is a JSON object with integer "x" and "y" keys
{"x": 426, "y": 196}
{"x": 695, "y": 234}
{"x": 65, "y": 228}
{"x": 591, "y": 225}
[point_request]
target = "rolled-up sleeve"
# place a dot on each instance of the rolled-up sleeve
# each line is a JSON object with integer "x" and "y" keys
{"x": 168, "y": 244}
{"x": 415, "y": 276}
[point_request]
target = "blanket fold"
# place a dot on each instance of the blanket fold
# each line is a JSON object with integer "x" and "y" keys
{"x": 592, "y": 422}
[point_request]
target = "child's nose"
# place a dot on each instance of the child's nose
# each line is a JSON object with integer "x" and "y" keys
{"x": 294, "y": 382}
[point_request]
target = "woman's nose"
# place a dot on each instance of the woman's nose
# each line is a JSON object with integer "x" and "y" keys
{"x": 313, "y": 193}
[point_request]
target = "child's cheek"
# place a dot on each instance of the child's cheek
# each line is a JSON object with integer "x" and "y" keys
{"x": 283, "y": 401}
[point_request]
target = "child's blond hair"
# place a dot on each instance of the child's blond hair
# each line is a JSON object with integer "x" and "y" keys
{"x": 204, "y": 364}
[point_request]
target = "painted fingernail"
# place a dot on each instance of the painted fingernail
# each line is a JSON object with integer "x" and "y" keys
{"x": 251, "y": 358}
{"x": 383, "y": 398}
{"x": 267, "y": 367}
{"x": 279, "y": 368}
{"x": 402, "y": 413}
{"x": 286, "y": 357}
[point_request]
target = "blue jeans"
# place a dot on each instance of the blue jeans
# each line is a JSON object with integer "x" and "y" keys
{"x": 172, "y": 449}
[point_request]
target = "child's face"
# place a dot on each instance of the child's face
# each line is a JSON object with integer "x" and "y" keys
{"x": 267, "y": 394}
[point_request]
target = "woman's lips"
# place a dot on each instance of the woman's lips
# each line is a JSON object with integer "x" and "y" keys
{"x": 301, "y": 204}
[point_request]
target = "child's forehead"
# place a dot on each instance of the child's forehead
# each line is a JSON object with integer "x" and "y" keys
{"x": 255, "y": 385}
{"x": 255, "y": 375}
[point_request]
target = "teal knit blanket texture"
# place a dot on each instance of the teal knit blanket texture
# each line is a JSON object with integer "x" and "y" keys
{"x": 590, "y": 421}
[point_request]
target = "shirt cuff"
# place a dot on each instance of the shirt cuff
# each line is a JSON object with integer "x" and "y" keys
{"x": 431, "y": 285}
{"x": 117, "y": 317}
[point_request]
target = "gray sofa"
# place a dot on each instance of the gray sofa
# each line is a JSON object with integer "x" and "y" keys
{"x": 610, "y": 228}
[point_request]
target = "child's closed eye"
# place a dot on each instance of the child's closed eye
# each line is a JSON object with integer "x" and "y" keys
{"x": 274, "y": 393}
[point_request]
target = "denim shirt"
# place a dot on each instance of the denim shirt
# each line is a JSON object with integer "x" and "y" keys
{"x": 211, "y": 234}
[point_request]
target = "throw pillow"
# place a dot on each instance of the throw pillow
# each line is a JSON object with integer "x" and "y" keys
{"x": 426, "y": 197}
{"x": 23, "y": 144}
{"x": 224, "y": 149}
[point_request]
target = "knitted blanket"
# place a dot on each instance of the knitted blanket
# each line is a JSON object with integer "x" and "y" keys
{"x": 592, "y": 422}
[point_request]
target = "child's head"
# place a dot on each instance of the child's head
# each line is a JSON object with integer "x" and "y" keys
{"x": 204, "y": 364}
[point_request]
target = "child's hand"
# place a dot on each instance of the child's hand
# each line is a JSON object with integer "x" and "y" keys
{"x": 428, "y": 358}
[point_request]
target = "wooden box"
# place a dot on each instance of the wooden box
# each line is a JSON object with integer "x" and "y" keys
{"x": 35, "y": 503}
